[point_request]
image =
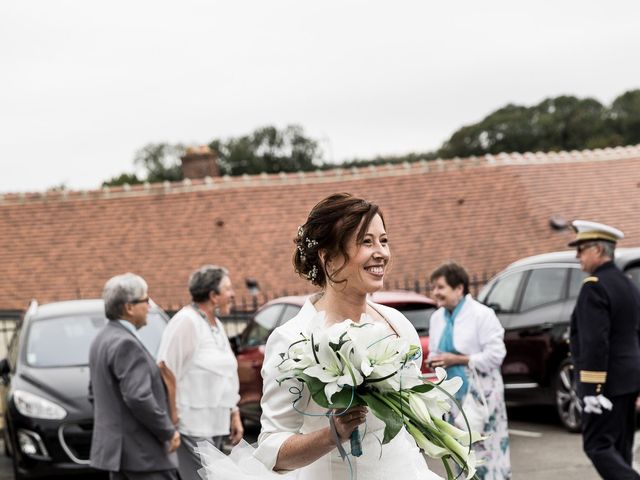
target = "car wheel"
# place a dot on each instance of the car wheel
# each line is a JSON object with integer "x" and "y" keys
{"x": 567, "y": 401}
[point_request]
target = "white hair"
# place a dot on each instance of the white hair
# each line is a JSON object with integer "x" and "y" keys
{"x": 608, "y": 248}
{"x": 120, "y": 290}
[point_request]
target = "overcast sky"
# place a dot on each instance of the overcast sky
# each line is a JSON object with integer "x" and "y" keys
{"x": 84, "y": 84}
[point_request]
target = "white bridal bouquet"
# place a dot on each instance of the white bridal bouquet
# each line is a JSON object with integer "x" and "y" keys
{"x": 352, "y": 363}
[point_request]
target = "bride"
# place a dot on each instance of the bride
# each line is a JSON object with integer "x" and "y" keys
{"x": 342, "y": 248}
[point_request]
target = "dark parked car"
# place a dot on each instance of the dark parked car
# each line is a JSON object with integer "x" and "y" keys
{"x": 48, "y": 417}
{"x": 250, "y": 344}
{"x": 534, "y": 298}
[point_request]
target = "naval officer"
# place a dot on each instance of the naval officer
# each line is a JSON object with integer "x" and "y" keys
{"x": 605, "y": 346}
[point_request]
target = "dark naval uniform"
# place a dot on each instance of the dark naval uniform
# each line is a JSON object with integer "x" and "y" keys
{"x": 605, "y": 346}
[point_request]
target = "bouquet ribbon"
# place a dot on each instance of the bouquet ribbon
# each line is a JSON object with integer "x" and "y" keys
{"x": 356, "y": 445}
{"x": 335, "y": 436}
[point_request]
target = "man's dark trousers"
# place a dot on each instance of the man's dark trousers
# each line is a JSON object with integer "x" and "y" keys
{"x": 608, "y": 439}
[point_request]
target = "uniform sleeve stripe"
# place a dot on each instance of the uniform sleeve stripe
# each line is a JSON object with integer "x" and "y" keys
{"x": 587, "y": 376}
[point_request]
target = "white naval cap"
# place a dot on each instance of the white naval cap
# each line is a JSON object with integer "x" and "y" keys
{"x": 591, "y": 231}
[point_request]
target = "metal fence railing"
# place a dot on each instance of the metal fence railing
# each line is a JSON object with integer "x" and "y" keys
{"x": 244, "y": 307}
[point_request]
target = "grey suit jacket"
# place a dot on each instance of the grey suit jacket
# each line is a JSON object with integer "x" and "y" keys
{"x": 131, "y": 426}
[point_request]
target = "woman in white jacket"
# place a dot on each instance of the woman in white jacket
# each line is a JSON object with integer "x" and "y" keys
{"x": 466, "y": 338}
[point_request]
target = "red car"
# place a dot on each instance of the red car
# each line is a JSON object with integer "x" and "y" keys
{"x": 416, "y": 307}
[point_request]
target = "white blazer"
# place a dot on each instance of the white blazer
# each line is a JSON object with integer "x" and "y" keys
{"x": 280, "y": 420}
{"x": 477, "y": 332}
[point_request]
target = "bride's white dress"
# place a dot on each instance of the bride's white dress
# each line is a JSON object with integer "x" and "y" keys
{"x": 399, "y": 458}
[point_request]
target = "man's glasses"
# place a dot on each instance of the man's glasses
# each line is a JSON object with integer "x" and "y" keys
{"x": 140, "y": 300}
{"x": 584, "y": 246}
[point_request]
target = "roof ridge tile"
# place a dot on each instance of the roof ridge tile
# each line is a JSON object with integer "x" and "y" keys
{"x": 334, "y": 174}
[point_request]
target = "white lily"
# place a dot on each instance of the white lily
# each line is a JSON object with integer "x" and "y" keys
{"x": 419, "y": 409}
{"x": 335, "y": 333}
{"x": 472, "y": 463}
{"x": 298, "y": 357}
{"x": 408, "y": 376}
{"x": 378, "y": 353}
{"x": 438, "y": 402}
{"x": 461, "y": 435}
{"x": 331, "y": 368}
{"x": 431, "y": 449}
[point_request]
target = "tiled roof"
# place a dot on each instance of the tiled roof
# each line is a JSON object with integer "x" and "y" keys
{"x": 484, "y": 212}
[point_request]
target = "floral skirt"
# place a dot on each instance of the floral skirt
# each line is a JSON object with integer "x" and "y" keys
{"x": 494, "y": 451}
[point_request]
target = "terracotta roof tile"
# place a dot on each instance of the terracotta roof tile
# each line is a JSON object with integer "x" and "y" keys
{"x": 484, "y": 212}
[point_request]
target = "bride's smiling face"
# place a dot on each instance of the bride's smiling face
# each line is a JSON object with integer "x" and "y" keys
{"x": 368, "y": 260}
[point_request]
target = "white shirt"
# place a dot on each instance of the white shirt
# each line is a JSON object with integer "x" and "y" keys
{"x": 477, "y": 332}
{"x": 206, "y": 371}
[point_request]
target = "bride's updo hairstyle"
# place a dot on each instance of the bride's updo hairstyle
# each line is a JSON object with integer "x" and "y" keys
{"x": 330, "y": 225}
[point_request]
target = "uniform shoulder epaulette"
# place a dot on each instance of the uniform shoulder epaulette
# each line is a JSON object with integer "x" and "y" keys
{"x": 590, "y": 279}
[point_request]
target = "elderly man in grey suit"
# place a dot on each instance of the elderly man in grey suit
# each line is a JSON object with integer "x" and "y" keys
{"x": 133, "y": 436}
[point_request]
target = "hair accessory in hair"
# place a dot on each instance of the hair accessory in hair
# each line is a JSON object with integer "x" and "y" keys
{"x": 303, "y": 257}
{"x": 311, "y": 243}
{"x": 313, "y": 273}
{"x": 300, "y": 231}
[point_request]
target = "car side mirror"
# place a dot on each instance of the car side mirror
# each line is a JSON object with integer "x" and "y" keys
{"x": 495, "y": 307}
{"x": 235, "y": 344}
{"x": 5, "y": 369}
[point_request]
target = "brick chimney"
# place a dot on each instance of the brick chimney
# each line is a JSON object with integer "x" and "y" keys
{"x": 200, "y": 162}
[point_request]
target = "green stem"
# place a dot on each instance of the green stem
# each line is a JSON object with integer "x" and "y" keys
{"x": 447, "y": 467}
{"x": 406, "y": 414}
{"x": 435, "y": 435}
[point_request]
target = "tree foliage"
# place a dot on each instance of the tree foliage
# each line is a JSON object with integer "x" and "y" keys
{"x": 266, "y": 149}
{"x": 119, "y": 180}
{"x": 269, "y": 150}
{"x": 158, "y": 161}
{"x": 560, "y": 123}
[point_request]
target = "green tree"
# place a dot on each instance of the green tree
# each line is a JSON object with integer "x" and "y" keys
{"x": 269, "y": 150}
{"x": 625, "y": 117}
{"x": 128, "y": 178}
{"x": 560, "y": 123}
{"x": 160, "y": 161}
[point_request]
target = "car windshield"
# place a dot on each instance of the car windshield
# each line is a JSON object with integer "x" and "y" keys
{"x": 65, "y": 341}
{"x": 419, "y": 315}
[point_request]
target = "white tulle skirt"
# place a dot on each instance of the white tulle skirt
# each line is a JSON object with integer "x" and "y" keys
{"x": 400, "y": 458}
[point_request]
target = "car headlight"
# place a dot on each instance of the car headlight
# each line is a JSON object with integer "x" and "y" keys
{"x": 33, "y": 406}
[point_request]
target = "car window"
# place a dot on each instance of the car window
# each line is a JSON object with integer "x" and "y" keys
{"x": 264, "y": 322}
{"x": 634, "y": 273}
{"x": 151, "y": 333}
{"x": 268, "y": 318}
{"x": 503, "y": 294}
{"x": 256, "y": 335}
{"x": 419, "y": 316}
{"x": 73, "y": 336}
{"x": 575, "y": 282}
{"x": 290, "y": 311}
{"x": 544, "y": 286}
